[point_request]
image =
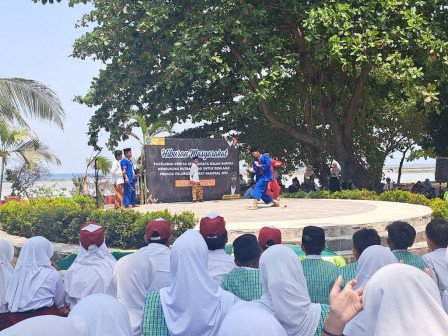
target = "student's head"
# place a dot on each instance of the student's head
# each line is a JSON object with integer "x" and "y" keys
{"x": 309, "y": 167}
{"x": 295, "y": 181}
{"x": 127, "y": 153}
{"x": 118, "y": 155}
{"x": 255, "y": 151}
{"x": 437, "y": 234}
{"x": 195, "y": 159}
{"x": 213, "y": 229}
{"x": 91, "y": 234}
{"x": 269, "y": 236}
{"x": 159, "y": 231}
{"x": 313, "y": 240}
{"x": 364, "y": 238}
{"x": 401, "y": 235}
{"x": 247, "y": 251}
{"x": 388, "y": 179}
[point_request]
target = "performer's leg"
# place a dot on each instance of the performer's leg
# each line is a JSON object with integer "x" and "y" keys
{"x": 134, "y": 195}
{"x": 193, "y": 192}
{"x": 200, "y": 193}
{"x": 127, "y": 195}
{"x": 118, "y": 197}
{"x": 275, "y": 189}
{"x": 259, "y": 189}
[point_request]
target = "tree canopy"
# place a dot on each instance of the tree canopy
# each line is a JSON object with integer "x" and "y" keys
{"x": 351, "y": 80}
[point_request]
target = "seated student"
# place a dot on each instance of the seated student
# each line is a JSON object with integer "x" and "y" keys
{"x": 362, "y": 239}
{"x": 244, "y": 281}
{"x": 213, "y": 229}
{"x": 401, "y": 236}
{"x": 36, "y": 288}
{"x": 319, "y": 274}
{"x": 159, "y": 237}
{"x": 6, "y": 270}
{"x": 437, "y": 239}
{"x": 130, "y": 284}
{"x": 268, "y": 236}
{"x": 295, "y": 186}
{"x": 104, "y": 315}
{"x": 193, "y": 304}
{"x": 49, "y": 326}
{"x": 92, "y": 269}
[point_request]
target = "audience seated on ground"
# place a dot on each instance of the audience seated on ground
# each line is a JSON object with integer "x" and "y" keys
{"x": 213, "y": 229}
{"x": 36, "y": 288}
{"x": 319, "y": 274}
{"x": 193, "y": 304}
{"x": 295, "y": 186}
{"x": 130, "y": 284}
{"x": 249, "y": 319}
{"x": 244, "y": 280}
{"x": 362, "y": 239}
{"x": 268, "y": 236}
{"x": 6, "y": 270}
{"x": 435, "y": 260}
{"x": 401, "y": 236}
{"x": 159, "y": 237}
{"x": 104, "y": 315}
{"x": 285, "y": 293}
{"x": 371, "y": 260}
{"x": 49, "y": 325}
{"x": 92, "y": 269}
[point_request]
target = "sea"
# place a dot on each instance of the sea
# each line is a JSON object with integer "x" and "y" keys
{"x": 410, "y": 174}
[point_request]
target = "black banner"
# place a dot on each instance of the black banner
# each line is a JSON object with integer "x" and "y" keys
{"x": 168, "y": 163}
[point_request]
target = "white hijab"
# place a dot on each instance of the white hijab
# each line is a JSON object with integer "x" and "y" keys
{"x": 285, "y": 292}
{"x": 372, "y": 259}
{"x": 130, "y": 284}
{"x": 6, "y": 270}
{"x": 49, "y": 325}
{"x": 194, "y": 304}
{"x": 104, "y": 314}
{"x": 81, "y": 278}
{"x": 32, "y": 269}
{"x": 402, "y": 300}
{"x": 249, "y": 319}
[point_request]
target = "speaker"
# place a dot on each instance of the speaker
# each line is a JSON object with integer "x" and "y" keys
{"x": 441, "y": 169}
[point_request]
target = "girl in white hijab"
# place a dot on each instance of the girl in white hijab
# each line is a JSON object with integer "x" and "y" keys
{"x": 285, "y": 293}
{"x": 6, "y": 270}
{"x": 130, "y": 284}
{"x": 49, "y": 326}
{"x": 249, "y": 319}
{"x": 35, "y": 283}
{"x": 402, "y": 300}
{"x": 371, "y": 260}
{"x": 194, "y": 304}
{"x": 104, "y": 314}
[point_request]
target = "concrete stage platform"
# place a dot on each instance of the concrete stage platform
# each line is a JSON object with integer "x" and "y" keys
{"x": 339, "y": 218}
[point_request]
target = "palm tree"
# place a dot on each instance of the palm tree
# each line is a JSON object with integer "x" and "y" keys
{"x": 22, "y": 143}
{"x": 23, "y": 98}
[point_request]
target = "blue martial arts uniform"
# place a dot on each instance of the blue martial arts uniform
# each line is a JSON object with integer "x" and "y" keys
{"x": 129, "y": 188}
{"x": 263, "y": 175}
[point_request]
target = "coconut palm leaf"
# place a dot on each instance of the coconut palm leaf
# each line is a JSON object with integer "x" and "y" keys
{"x": 34, "y": 151}
{"x": 30, "y": 99}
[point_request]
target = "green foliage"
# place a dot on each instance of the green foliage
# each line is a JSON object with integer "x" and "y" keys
{"x": 439, "y": 208}
{"x": 59, "y": 220}
{"x": 404, "y": 197}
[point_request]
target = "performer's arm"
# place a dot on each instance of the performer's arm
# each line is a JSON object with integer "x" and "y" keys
{"x": 124, "y": 168}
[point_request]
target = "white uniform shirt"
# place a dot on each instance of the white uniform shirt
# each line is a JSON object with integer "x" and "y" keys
{"x": 51, "y": 293}
{"x": 436, "y": 262}
{"x": 117, "y": 173}
{"x": 219, "y": 264}
{"x": 194, "y": 172}
{"x": 388, "y": 186}
{"x": 160, "y": 258}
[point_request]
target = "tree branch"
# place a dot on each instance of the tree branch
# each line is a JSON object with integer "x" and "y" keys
{"x": 360, "y": 89}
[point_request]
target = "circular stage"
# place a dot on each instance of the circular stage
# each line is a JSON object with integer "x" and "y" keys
{"x": 339, "y": 218}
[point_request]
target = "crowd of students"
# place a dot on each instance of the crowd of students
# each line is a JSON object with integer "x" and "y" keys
{"x": 193, "y": 287}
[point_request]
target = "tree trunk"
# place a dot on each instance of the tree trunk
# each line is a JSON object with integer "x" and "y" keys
{"x": 352, "y": 172}
{"x": 1, "y": 177}
{"x": 400, "y": 167}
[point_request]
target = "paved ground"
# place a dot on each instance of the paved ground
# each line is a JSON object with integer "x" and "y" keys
{"x": 299, "y": 212}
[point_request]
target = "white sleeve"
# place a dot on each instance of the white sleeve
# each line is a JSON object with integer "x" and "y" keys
{"x": 59, "y": 294}
{"x": 191, "y": 173}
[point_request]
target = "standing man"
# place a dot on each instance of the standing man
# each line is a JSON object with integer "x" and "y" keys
{"x": 197, "y": 191}
{"x": 117, "y": 178}
{"x": 129, "y": 179}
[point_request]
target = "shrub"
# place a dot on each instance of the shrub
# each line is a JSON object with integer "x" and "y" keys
{"x": 404, "y": 197}
{"x": 59, "y": 220}
{"x": 439, "y": 208}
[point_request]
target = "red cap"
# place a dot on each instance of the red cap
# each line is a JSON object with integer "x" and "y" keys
{"x": 269, "y": 233}
{"x": 212, "y": 226}
{"x": 161, "y": 226}
{"x": 91, "y": 234}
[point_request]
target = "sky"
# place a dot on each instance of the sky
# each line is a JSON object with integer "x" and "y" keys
{"x": 35, "y": 43}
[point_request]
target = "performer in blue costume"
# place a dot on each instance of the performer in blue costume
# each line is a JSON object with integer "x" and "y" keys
{"x": 263, "y": 174}
{"x": 127, "y": 167}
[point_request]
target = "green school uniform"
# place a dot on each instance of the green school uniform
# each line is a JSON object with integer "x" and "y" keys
{"x": 320, "y": 276}
{"x": 243, "y": 282}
